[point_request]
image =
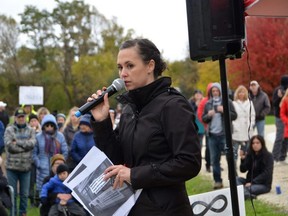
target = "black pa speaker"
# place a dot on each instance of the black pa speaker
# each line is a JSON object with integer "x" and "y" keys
{"x": 216, "y": 28}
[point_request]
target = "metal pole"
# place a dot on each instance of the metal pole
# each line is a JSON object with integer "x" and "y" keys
{"x": 228, "y": 134}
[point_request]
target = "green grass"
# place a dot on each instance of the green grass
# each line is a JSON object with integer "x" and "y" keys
{"x": 269, "y": 120}
{"x": 202, "y": 184}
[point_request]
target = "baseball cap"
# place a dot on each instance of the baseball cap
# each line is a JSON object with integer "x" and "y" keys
{"x": 20, "y": 112}
{"x": 2, "y": 104}
{"x": 254, "y": 82}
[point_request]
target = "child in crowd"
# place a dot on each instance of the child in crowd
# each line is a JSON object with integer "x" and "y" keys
{"x": 56, "y": 185}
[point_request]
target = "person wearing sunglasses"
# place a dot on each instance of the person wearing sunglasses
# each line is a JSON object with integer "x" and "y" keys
{"x": 19, "y": 139}
{"x": 49, "y": 142}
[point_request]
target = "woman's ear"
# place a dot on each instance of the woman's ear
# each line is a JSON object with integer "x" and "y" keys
{"x": 151, "y": 66}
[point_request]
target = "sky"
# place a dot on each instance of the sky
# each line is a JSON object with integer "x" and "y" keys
{"x": 162, "y": 21}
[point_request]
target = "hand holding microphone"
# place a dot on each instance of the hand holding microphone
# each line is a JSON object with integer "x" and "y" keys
{"x": 96, "y": 99}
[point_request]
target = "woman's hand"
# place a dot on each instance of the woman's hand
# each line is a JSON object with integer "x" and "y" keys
{"x": 121, "y": 174}
{"x": 101, "y": 111}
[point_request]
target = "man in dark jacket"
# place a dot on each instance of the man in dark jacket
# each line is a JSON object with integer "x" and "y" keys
{"x": 261, "y": 104}
{"x": 213, "y": 116}
{"x": 278, "y": 93}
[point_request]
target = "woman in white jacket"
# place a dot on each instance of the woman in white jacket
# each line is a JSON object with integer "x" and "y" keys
{"x": 243, "y": 124}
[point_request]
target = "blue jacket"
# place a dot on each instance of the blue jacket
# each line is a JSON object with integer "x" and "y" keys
{"x": 55, "y": 186}
{"x": 40, "y": 157}
{"x": 2, "y": 130}
{"x": 81, "y": 144}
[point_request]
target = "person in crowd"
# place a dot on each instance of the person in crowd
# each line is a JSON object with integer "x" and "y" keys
{"x": 5, "y": 199}
{"x": 195, "y": 101}
{"x": 83, "y": 139}
{"x": 230, "y": 92}
{"x": 278, "y": 94}
{"x": 41, "y": 112}
{"x": 55, "y": 161}
{"x": 28, "y": 109}
{"x": 243, "y": 124}
{"x": 213, "y": 116}
{"x": 156, "y": 140}
{"x": 200, "y": 111}
{"x": 71, "y": 126}
{"x": 49, "y": 142}
{"x": 4, "y": 117}
{"x": 61, "y": 118}
{"x": 261, "y": 105}
{"x": 34, "y": 123}
{"x": 112, "y": 116}
{"x": 118, "y": 113}
{"x": 2, "y": 130}
{"x": 19, "y": 139}
{"x": 55, "y": 185}
{"x": 258, "y": 163}
{"x": 284, "y": 118}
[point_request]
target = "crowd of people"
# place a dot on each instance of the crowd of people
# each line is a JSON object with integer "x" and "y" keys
{"x": 156, "y": 146}
{"x": 248, "y": 109}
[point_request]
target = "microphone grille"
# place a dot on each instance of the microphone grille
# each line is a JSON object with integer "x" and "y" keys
{"x": 118, "y": 84}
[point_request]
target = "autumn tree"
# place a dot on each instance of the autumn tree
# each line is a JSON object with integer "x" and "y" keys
{"x": 265, "y": 59}
{"x": 184, "y": 75}
{"x": 64, "y": 42}
{"x": 10, "y": 66}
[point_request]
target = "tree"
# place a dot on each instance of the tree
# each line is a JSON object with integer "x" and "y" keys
{"x": 184, "y": 75}
{"x": 10, "y": 67}
{"x": 267, "y": 54}
{"x": 65, "y": 39}
{"x": 209, "y": 71}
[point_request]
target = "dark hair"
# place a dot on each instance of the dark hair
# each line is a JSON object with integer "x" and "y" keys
{"x": 147, "y": 51}
{"x": 262, "y": 141}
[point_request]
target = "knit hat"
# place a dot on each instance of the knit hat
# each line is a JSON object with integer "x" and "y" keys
{"x": 61, "y": 115}
{"x": 85, "y": 119}
{"x": 62, "y": 168}
{"x": 56, "y": 157}
{"x": 32, "y": 116}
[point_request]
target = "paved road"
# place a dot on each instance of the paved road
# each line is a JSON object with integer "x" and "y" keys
{"x": 280, "y": 174}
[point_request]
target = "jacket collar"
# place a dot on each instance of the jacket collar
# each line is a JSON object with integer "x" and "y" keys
{"x": 142, "y": 96}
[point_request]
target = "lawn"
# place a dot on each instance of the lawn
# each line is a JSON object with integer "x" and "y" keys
{"x": 202, "y": 184}
{"x": 269, "y": 120}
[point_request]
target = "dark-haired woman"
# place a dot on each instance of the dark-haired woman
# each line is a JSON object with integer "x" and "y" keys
{"x": 259, "y": 164}
{"x": 156, "y": 146}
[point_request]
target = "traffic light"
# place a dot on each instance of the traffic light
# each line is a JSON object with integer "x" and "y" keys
{"x": 216, "y": 28}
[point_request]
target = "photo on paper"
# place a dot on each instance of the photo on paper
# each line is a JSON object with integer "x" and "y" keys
{"x": 98, "y": 195}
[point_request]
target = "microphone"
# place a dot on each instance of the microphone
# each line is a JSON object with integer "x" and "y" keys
{"x": 117, "y": 85}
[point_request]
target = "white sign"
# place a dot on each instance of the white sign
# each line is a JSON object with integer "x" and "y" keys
{"x": 217, "y": 203}
{"x": 32, "y": 95}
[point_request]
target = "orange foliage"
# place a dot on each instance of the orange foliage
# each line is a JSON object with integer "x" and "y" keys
{"x": 267, "y": 53}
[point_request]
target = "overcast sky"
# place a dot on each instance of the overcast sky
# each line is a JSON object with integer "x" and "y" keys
{"x": 162, "y": 21}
